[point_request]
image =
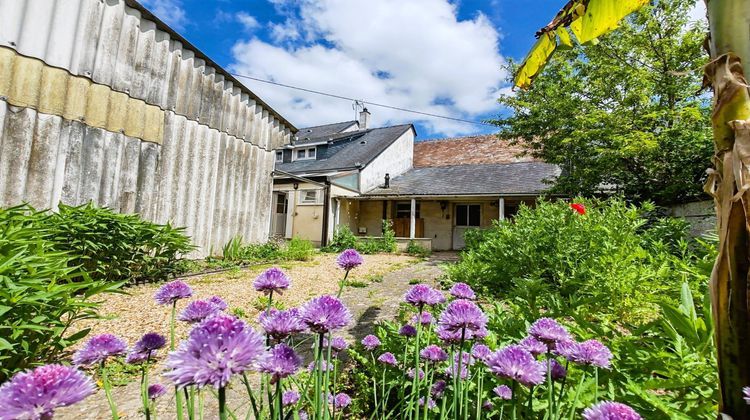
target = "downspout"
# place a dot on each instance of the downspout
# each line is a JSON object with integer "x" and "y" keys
{"x": 326, "y": 210}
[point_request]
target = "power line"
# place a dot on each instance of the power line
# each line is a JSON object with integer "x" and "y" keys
{"x": 331, "y": 95}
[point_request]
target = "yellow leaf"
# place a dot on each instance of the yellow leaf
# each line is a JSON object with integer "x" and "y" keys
{"x": 535, "y": 61}
{"x": 603, "y": 16}
{"x": 563, "y": 38}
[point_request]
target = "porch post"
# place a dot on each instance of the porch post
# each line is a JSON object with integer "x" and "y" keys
{"x": 413, "y": 224}
{"x": 291, "y": 207}
{"x": 336, "y": 217}
{"x": 501, "y": 208}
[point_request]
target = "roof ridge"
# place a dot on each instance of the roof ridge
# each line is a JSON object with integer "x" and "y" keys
{"x": 461, "y": 138}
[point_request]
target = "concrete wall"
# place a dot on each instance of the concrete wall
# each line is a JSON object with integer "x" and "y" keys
{"x": 395, "y": 160}
{"x": 99, "y": 103}
{"x": 701, "y": 216}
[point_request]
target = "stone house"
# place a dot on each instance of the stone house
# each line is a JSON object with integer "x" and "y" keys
{"x": 433, "y": 191}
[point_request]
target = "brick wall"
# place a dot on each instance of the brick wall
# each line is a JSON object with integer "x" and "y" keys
{"x": 467, "y": 151}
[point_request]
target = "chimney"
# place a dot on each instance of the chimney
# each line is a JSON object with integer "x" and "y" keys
{"x": 364, "y": 119}
{"x": 387, "y": 181}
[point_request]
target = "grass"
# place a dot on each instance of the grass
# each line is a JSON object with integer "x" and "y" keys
{"x": 415, "y": 281}
{"x": 357, "y": 283}
{"x": 261, "y": 303}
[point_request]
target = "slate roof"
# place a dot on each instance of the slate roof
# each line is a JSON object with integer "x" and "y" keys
{"x": 350, "y": 150}
{"x": 321, "y": 132}
{"x": 506, "y": 178}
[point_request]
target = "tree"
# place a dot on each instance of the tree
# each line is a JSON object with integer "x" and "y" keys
{"x": 728, "y": 183}
{"x": 625, "y": 114}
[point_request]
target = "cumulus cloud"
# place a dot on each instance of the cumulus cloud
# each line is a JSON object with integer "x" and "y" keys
{"x": 248, "y": 22}
{"x": 414, "y": 54}
{"x": 170, "y": 11}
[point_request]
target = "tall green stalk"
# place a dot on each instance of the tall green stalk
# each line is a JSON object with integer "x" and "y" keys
{"x": 108, "y": 393}
{"x": 172, "y": 342}
{"x": 222, "y": 403}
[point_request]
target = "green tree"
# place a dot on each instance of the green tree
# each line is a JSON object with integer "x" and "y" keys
{"x": 625, "y": 114}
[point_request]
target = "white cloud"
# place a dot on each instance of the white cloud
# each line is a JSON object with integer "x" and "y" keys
{"x": 247, "y": 21}
{"x": 698, "y": 12}
{"x": 170, "y": 11}
{"x": 413, "y": 54}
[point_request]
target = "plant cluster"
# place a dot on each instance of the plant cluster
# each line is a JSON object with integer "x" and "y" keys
{"x": 343, "y": 238}
{"x": 237, "y": 252}
{"x": 413, "y": 248}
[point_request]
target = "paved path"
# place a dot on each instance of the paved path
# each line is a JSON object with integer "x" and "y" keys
{"x": 375, "y": 302}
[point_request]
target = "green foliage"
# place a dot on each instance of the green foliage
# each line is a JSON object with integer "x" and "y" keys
{"x": 625, "y": 113}
{"x": 42, "y": 291}
{"x": 343, "y": 238}
{"x": 415, "y": 249}
{"x": 236, "y": 252}
{"x": 299, "y": 250}
{"x": 233, "y": 250}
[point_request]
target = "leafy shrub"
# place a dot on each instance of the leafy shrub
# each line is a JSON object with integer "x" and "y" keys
{"x": 343, "y": 238}
{"x": 299, "y": 250}
{"x": 235, "y": 252}
{"x": 414, "y": 248}
{"x": 233, "y": 249}
{"x": 42, "y": 291}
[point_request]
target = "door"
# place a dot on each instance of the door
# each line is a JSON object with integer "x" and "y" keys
{"x": 280, "y": 205}
{"x": 466, "y": 216}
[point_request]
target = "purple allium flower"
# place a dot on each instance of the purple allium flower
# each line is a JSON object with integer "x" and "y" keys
{"x": 349, "y": 259}
{"x": 370, "y": 342}
{"x": 425, "y": 319}
{"x": 434, "y": 354}
{"x": 558, "y": 371}
{"x": 98, "y": 349}
{"x": 549, "y": 332}
{"x": 219, "y": 302}
{"x": 448, "y": 336}
{"x": 281, "y": 324}
{"x": 324, "y": 314}
{"x": 514, "y": 362}
{"x": 533, "y": 346}
{"x": 155, "y": 391}
{"x": 338, "y": 344}
{"x": 410, "y": 373}
{"x": 422, "y": 294}
{"x": 480, "y": 351}
{"x": 488, "y": 405}
{"x": 341, "y": 400}
{"x": 134, "y": 358}
{"x": 463, "y": 314}
{"x": 407, "y": 331}
{"x": 462, "y": 291}
{"x": 289, "y": 398}
{"x": 172, "y": 292}
{"x": 281, "y": 362}
{"x": 302, "y": 415}
{"x": 197, "y": 311}
{"x": 453, "y": 368}
{"x": 35, "y": 394}
{"x": 746, "y": 394}
{"x": 609, "y": 410}
{"x": 592, "y": 353}
{"x": 503, "y": 391}
{"x": 150, "y": 342}
{"x": 438, "y": 388}
{"x": 324, "y": 366}
{"x": 216, "y": 349}
{"x": 387, "y": 358}
{"x": 466, "y": 358}
{"x": 271, "y": 280}
{"x": 430, "y": 403}
{"x": 565, "y": 349}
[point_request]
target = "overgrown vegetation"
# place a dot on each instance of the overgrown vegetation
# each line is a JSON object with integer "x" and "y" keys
{"x": 413, "y": 248}
{"x": 617, "y": 274}
{"x": 343, "y": 238}
{"x": 236, "y": 252}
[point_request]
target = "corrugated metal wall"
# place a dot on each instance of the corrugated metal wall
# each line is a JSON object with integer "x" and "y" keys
{"x": 99, "y": 103}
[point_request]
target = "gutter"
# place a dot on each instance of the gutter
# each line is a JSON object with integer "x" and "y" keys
{"x": 297, "y": 177}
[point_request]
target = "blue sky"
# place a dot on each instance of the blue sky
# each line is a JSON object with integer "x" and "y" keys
{"x": 437, "y": 56}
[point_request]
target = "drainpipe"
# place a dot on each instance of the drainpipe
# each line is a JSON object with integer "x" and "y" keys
{"x": 326, "y": 210}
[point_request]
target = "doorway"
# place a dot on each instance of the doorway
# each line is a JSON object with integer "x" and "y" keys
{"x": 466, "y": 216}
{"x": 281, "y": 207}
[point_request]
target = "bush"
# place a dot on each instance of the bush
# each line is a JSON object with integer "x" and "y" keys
{"x": 43, "y": 292}
{"x": 295, "y": 250}
{"x": 299, "y": 250}
{"x": 343, "y": 238}
{"x": 414, "y": 248}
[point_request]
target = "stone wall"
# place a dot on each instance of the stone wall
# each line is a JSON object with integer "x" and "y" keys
{"x": 701, "y": 216}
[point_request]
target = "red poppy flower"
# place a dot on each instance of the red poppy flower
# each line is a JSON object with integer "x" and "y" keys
{"x": 579, "y": 208}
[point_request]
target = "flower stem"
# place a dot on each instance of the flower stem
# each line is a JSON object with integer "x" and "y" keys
{"x": 575, "y": 399}
{"x": 278, "y": 399}
{"x": 222, "y": 403}
{"x": 342, "y": 283}
{"x": 108, "y": 393}
{"x": 457, "y": 373}
{"x": 550, "y": 389}
{"x": 596, "y": 384}
{"x": 177, "y": 395}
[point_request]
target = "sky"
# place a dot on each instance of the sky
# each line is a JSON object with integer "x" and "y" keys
{"x": 436, "y": 56}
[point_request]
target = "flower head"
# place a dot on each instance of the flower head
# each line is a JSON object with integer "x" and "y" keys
{"x": 349, "y": 259}
{"x": 338, "y": 344}
{"x": 341, "y": 400}
{"x": 324, "y": 366}
{"x": 514, "y": 362}
{"x": 558, "y": 371}
{"x": 98, "y": 349}
{"x": 422, "y": 294}
{"x": 281, "y": 324}
{"x": 324, "y": 314}
{"x": 533, "y": 346}
{"x": 172, "y": 292}
{"x": 503, "y": 391}
{"x": 271, "y": 280}
{"x": 425, "y": 318}
{"x": 280, "y": 363}
{"x": 430, "y": 403}
{"x": 578, "y": 208}
{"x": 746, "y": 394}
{"x": 462, "y": 291}
{"x": 609, "y": 410}
{"x": 480, "y": 351}
{"x": 290, "y": 398}
{"x": 565, "y": 349}
{"x": 387, "y": 358}
{"x": 216, "y": 349}
{"x": 438, "y": 388}
{"x": 35, "y": 394}
{"x": 197, "y": 311}
{"x": 370, "y": 342}
{"x": 410, "y": 373}
{"x": 407, "y": 331}
{"x": 219, "y": 302}
{"x": 592, "y": 353}
{"x": 145, "y": 348}
{"x": 549, "y": 332}
{"x": 433, "y": 354}
{"x": 488, "y": 405}
{"x": 155, "y": 391}
{"x": 463, "y": 314}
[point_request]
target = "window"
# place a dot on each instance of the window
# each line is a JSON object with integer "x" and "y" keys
{"x": 309, "y": 197}
{"x": 303, "y": 154}
{"x": 403, "y": 211}
{"x": 468, "y": 215}
{"x": 279, "y": 156}
{"x": 311, "y": 153}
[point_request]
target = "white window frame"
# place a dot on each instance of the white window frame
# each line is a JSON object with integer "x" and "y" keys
{"x": 303, "y": 197}
{"x": 279, "y": 156}
{"x": 468, "y": 217}
{"x": 308, "y": 153}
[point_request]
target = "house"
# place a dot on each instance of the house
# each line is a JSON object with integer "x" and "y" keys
{"x": 101, "y": 101}
{"x": 346, "y": 174}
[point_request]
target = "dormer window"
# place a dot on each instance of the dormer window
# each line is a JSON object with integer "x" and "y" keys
{"x": 279, "y": 156}
{"x": 304, "y": 154}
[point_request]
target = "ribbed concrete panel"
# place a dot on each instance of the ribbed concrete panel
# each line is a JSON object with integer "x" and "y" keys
{"x": 113, "y": 44}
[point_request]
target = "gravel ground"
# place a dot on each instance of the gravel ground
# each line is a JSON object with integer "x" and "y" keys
{"x": 384, "y": 279}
